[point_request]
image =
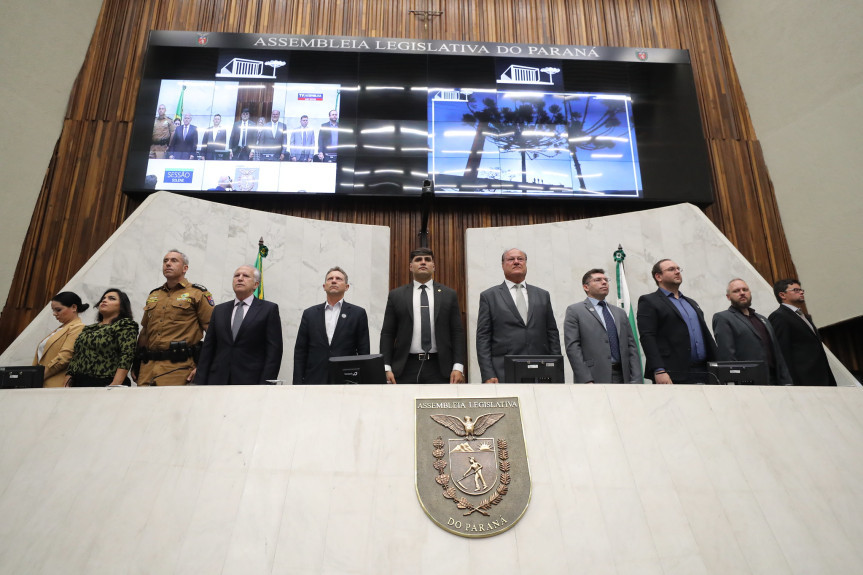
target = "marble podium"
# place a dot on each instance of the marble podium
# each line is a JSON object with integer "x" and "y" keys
{"x": 626, "y": 479}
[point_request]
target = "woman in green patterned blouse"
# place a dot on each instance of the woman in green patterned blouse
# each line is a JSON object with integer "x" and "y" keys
{"x": 104, "y": 350}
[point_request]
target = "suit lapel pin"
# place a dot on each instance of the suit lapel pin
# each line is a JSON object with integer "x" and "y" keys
{"x": 344, "y": 315}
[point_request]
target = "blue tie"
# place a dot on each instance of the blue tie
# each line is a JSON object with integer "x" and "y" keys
{"x": 613, "y": 340}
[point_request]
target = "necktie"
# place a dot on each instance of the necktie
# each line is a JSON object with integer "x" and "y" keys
{"x": 520, "y": 302}
{"x": 238, "y": 319}
{"x": 806, "y": 321}
{"x": 425, "y": 321}
{"x": 185, "y": 132}
{"x": 613, "y": 340}
{"x": 243, "y": 136}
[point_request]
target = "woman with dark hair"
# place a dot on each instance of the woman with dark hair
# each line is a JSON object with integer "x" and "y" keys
{"x": 104, "y": 350}
{"x": 55, "y": 351}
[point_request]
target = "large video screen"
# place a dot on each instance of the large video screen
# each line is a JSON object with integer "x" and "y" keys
{"x": 292, "y": 149}
{"x": 237, "y": 116}
{"x": 517, "y": 142}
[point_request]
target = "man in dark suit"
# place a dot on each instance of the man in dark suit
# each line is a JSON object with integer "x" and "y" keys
{"x": 798, "y": 337}
{"x": 422, "y": 338}
{"x": 215, "y": 138}
{"x": 332, "y": 329}
{"x": 244, "y": 340}
{"x": 743, "y": 335}
{"x": 676, "y": 342}
{"x": 184, "y": 143}
{"x": 243, "y": 135}
{"x": 514, "y": 319}
{"x": 599, "y": 341}
{"x": 271, "y": 145}
{"x": 328, "y": 138}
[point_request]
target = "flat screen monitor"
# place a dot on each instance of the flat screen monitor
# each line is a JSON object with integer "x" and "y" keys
{"x": 21, "y": 376}
{"x": 738, "y": 372}
{"x": 357, "y": 370}
{"x": 533, "y": 368}
{"x": 371, "y": 116}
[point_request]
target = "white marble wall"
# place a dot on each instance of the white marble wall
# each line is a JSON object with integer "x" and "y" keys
{"x": 218, "y": 239}
{"x": 560, "y": 253}
{"x": 320, "y": 480}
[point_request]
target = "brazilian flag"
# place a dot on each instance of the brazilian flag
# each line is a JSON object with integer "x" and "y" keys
{"x": 178, "y": 115}
{"x": 259, "y": 265}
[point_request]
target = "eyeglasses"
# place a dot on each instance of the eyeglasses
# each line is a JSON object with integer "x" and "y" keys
{"x": 600, "y": 280}
{"x": 678, "y": 269}
{"x": 795, "y": 290}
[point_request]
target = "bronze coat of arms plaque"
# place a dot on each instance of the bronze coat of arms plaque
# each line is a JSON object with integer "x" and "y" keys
{"x": 472, "y": 474}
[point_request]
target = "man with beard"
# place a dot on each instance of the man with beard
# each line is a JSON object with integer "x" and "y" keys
{"x": 422, "y": 338}
{"x": 676, "y": 342}
{"x": 743, "y": 335}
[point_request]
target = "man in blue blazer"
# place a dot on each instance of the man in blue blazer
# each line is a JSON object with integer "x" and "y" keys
{"x": 243, "y": 345}
{"x": 332, "y": 329}
{"x": 411, "y": 353}
{"x": 514, "y": 319}
{"x": 676, "y": 342}
{"x": 743, "y": 335}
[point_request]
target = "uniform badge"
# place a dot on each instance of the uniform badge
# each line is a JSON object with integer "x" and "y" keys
{"x": 184, "y": 297}
{"x": 209, "y": 297}
{"x": 153, "y": 299}
{"x": 472, "y": 474}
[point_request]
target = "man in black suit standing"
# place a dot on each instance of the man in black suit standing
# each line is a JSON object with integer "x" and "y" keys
{"x": 332, "y": 329}
{"x": 243, "y": 135}
{"x": 798, "y": 337}
{"x": 743, "y": 335}
{"x": 184, "y": 143}
{"x": 244, "y": 340}
{"x": 215, "y": 138}
{"x": 514, "y": 319}
{"x": 676, "y": 342}
{"x": 422, "y": 338}
{"x": 328, "y": 138}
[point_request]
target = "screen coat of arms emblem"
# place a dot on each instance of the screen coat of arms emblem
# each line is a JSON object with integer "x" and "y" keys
{"x": 472, "y": 474}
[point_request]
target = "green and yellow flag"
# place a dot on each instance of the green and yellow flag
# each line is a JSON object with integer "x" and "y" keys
{"x": 178, "y": 115}
{"x": 259, "y": 265}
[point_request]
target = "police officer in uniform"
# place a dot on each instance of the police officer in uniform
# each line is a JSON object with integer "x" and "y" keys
{"x": 163, "y": 129}
{"x": 176, "y": 316}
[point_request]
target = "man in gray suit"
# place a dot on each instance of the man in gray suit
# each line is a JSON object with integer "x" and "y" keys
{"x": 514, "y": 319}
{"x": 599, "y": 341}
{"x": 743, "y": 335}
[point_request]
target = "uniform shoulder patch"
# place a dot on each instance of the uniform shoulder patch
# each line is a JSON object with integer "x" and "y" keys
{"x": 205, "y": 293}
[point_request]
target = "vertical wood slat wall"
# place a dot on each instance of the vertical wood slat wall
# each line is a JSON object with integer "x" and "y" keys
{"x": 81, "y": 204}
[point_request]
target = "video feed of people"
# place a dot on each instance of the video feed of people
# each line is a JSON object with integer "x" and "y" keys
{"x": 232, "y": 136}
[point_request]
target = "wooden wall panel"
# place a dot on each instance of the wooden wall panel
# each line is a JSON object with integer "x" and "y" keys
{"x": 81, "y": 204}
